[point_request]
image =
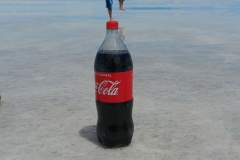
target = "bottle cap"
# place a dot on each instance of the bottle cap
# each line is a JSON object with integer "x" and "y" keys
{"x": 112, "y": 25}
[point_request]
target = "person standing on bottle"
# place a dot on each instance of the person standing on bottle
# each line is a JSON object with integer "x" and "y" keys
{"x": 109, "y": 7}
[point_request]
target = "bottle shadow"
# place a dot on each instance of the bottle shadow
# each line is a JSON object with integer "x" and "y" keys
{"x": 90, "y": 134}
{"x": 0, "y": 102}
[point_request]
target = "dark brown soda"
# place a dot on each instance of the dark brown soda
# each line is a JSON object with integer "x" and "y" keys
{"x": 115, "y": 124}
{"x": 113, "y": 61}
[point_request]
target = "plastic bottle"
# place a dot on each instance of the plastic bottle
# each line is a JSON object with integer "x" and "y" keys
{"x": 114, "y": 90}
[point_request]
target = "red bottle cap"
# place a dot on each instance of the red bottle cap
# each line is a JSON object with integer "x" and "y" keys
{"x": 112, "y": 25}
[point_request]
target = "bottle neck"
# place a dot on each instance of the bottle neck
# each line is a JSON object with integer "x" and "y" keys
{"x": 112, "y": 31}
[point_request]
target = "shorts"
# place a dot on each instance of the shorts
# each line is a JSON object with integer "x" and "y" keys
{"x": 109, "y": 4}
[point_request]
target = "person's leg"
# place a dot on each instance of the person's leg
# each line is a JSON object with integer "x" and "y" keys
{"x": 110, "y": 14}
{"x": 121, "y": 5}
{"x": 109, "y": 7}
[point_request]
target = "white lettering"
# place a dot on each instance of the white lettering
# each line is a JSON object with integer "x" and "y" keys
{"x": 103, "y": 88}
{"x": 104, "y": 74}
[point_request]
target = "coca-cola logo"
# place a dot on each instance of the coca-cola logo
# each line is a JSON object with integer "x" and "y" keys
{"x": 107, "y": 87}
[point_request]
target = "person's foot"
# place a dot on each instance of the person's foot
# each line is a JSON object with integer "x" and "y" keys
{"x": 121, "y": 8}
{"x": 111, "y": 18}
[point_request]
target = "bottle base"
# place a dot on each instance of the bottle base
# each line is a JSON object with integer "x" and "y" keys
{"x": 114, "y": 144}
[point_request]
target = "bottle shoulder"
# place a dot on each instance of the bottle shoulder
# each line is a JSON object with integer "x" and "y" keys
{"x": 113, "y": 42}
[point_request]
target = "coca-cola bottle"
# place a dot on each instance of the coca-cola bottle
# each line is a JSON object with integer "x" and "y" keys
{"x": 114, "y": 90}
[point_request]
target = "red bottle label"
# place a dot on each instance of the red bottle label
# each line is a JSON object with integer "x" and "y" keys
{"x": 114, "y": 87}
